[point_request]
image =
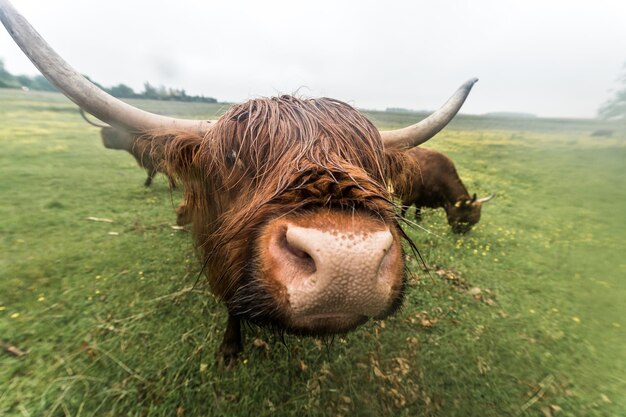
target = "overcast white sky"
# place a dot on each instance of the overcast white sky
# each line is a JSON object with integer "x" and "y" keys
{"x": 548, "y": 57}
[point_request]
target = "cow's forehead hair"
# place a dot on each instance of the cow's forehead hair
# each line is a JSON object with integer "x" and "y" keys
{"x": 267, "y": 132}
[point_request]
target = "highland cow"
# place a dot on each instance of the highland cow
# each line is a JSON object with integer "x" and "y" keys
{"x": 288, "y": 198}
{"x": 429, "y": 179}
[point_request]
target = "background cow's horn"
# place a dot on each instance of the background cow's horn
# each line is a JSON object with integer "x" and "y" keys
{"x": 78, "y": 89}
{"x": 419, "y": 133}
{"x": 485, "y": 199}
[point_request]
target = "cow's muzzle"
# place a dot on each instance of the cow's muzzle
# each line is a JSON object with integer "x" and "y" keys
{"x": 336, "y": 270}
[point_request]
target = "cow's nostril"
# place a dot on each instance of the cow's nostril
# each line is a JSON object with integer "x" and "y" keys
{"x": 295, "y": 249}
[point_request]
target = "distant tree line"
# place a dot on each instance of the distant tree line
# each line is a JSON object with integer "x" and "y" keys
{"x": 40, "y": 83}
{"x": 399, "y": 110}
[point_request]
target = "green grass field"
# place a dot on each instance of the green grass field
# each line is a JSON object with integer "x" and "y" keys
{"x": 523, "y": 316}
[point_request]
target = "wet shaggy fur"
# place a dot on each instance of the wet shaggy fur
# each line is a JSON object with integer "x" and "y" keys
{"x": 268, "y": 158}
{"x": 427, "y": 178}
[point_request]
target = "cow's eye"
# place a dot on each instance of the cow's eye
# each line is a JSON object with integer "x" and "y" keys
{"x": 231, "y": 158}
{"x": 235, "y": 163}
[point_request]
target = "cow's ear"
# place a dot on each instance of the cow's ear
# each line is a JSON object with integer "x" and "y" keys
{"x": 395, "y": 165}
{"x": 474, "y": 198}
{"x": 458, "y": 204}
{"x": 179, "y": 153}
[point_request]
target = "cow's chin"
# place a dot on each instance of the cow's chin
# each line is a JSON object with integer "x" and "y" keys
{"x": 325, "y": 324}
{"x": 276, "y": 313}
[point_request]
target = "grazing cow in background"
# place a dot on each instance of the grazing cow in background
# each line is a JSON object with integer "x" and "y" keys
{"x": 140, "y": 150}
{"x": 148, "y": 159}
{"x": 288, "y": 198}
{"x": 429, "y": 179}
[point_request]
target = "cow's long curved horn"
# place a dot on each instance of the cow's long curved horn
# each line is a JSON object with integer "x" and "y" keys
{"x": 419, "y": 133}
{"x": 485, "y": 199}
{"x": 81, "y": 91}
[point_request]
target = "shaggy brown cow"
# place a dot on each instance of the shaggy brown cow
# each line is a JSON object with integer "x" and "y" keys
{"x": 151, "y": 161}
{"x": 429, "y": 179}
{"x": 288, "y": 198}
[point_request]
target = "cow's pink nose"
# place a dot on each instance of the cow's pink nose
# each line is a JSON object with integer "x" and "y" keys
{"x": 335, "y": 272}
